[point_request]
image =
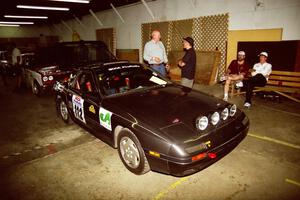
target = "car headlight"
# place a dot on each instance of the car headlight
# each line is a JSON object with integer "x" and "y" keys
{"x": 50, "y": 78}
{"x": 215, "y": 118}
{"x": 224, "y": 114}
{"x": 45, "y": 78}
{"x": 233, "y": 110}
{"x": 202, "y": 123}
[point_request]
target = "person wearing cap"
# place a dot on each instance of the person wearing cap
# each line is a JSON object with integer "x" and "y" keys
{"x": 188, "y": 63}
{"x": 155, "y": 53}
{"x": 236, "y": 71}
{"x": 259, "y": 76}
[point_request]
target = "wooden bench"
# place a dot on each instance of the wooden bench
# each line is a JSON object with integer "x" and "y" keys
{"x": 233, "y": 90}
{"x": 284, "y": 83}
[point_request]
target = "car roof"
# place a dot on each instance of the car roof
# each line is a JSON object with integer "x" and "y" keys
{"x": 99, "y": 65}
{"x": 28, "y": 54}
{"x": 100, "y": 43}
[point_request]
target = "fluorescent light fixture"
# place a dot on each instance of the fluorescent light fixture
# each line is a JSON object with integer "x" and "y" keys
{"x": 5, "y": 22}
{"x": 13, "y": 25}
{"x": 73, "y": 1}
{"x": 26, "y": 17}
{"x": 43, "y": 7}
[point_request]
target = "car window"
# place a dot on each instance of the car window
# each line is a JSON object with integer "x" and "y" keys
{"x": 28, "y": 61}
{"x": 84, "y": 84}
{"x": 119, "y": 79}
{"x": 70, "y": 54}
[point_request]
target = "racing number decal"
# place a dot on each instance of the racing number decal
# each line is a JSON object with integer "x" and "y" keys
{"x": 78, "y": 110}
{"x": 105, "y": 118}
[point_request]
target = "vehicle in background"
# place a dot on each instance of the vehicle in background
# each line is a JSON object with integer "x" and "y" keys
{"x": 56, "y": 63}
{"x": 154, "y": 123}
{"x": 28, "y": 60}
{"x": 40, "y": 77}
{"x": 5, "y": 64}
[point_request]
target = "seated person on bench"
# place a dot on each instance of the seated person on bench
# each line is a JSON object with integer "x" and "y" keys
{"x": 259, "y": 77}
{"x": 236, "y": 71}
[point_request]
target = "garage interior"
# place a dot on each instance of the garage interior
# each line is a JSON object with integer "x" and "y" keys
{"x": 43, "y": 158}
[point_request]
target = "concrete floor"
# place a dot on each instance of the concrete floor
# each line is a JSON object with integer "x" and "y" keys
{"x": 42, "y": 158}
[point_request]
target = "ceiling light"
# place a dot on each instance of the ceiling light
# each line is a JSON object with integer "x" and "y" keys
{"x": 4, "y": 22}
{"x": 27, "y": 17}
{"x": 73, "y": 1}
{"x": 43, "y": 8}
{"x": 14, "y": 25}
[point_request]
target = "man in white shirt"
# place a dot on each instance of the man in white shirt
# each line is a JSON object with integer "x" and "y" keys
{"x": 16, "y": 61}
{"x": 260, "y": 74}
{"x": 155, "y": 53}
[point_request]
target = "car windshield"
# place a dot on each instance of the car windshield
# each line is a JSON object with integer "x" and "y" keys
{"x": 124, "y": 78}
{"x": 69, "y": 54}
{"x": 3, "y": 55}
{"x": 28, "y": 60}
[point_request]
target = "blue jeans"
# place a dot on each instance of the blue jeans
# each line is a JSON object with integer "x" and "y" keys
{"x": 160, "y": 69}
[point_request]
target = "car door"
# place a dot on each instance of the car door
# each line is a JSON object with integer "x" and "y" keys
{"x": 75, "y": 99}
{"x": 28, "y": 73}
{"x": 85, "y": 100}
{"x": 91, "y": 100}
{"x": 28, "y": 64}
{"x": 95, "y": 116}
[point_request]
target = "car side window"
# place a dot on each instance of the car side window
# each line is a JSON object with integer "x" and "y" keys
{"x": 85, "y": 84}
{"x": 74, "y": 80}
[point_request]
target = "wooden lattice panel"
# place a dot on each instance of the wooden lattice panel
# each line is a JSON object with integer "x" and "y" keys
{"x": 196, "y": 33}
{"x": 146, "y": 34}
{"x": 213, "y": 33}
{"x": 180, "y": 29}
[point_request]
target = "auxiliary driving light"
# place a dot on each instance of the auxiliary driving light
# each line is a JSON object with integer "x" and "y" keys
{"x": 215, "y": 118}
{"x": 225, "y": 114}
{"x": 233, "y": 110}
{"x": 202, "y": 123}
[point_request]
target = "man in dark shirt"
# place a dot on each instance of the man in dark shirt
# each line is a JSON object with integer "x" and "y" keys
{"x": 237, "y": 71}
{"x": 188, "y": 63}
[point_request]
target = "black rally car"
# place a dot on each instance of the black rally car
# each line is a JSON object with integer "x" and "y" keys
{"x": 154, "y": 123}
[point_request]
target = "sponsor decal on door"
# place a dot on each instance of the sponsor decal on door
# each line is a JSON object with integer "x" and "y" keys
{"x": 92, "y": 109}
{"x": 78, "y": 110}
{"x": 105, "y": 118}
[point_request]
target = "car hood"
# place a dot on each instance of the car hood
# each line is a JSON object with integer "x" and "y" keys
{"x": 168, "y": 107}
{"x": 52, "y": 70}
{"x": 48, "y": 69}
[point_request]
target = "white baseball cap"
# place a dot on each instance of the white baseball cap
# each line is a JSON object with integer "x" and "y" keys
{"x": 263, "y": 53}
{"x": 242, "y": 53}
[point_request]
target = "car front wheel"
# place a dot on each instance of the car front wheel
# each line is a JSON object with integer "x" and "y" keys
{"x": 63, "y": 111}
{"x": 36, "y": 88}
{"x": 131, "y": 153}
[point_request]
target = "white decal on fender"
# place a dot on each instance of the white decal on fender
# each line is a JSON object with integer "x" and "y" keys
{"x": 78, "y": 110}
{"x": 105, "y": 118}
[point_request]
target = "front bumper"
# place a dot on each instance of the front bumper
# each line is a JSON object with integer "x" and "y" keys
{"x": 180, "y": 169}
{"x": 184, "y": 168}
{"x": 45, "y": 88}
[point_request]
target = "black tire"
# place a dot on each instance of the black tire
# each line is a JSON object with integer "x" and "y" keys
{"x": 60, "y": 106}
{"x": 143, "y": 166}
{"x": 35, "y": 88}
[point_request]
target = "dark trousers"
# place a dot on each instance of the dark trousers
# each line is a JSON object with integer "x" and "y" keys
{"x": 3, "y": 75}
{"x": 256, "y": 81}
